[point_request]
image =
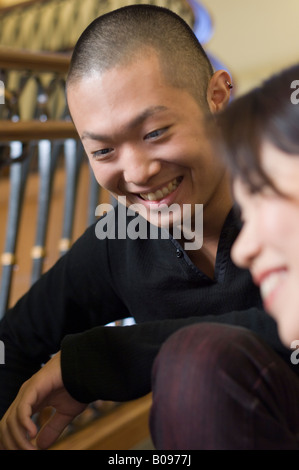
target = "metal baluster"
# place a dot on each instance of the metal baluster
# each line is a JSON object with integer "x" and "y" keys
{"x": 72, "y": 167}
{"x": 18, "y": 178}
{"x": 46, "y": 164}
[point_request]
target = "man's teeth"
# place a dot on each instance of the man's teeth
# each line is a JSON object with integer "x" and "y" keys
{"x": 160, "y": 193}
{"x": 271, "y": 282}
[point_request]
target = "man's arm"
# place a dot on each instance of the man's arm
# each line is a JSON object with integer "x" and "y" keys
{"x": 115, "y": 363}
{"x": 73, "y": 296}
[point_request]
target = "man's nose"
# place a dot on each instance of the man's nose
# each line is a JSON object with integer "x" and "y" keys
{"x": 139, "y": 168}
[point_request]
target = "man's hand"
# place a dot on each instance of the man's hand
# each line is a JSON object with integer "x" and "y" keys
{"x": 45, "y": 388}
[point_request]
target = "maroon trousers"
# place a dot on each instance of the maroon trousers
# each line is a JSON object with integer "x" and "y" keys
{"x": 219, "y": 387}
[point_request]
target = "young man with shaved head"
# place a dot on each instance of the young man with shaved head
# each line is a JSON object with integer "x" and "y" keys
{"x": 138, "y": 89}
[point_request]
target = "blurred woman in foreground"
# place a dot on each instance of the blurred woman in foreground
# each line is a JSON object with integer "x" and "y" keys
{"x": 260, "y": 132}
{"x": 250, "y": 397}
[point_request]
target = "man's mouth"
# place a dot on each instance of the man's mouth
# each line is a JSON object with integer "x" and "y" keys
{"x": 163, "y": 191}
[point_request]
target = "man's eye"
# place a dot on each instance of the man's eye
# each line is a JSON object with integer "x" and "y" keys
{"x": 101, "y": 153}
{"x": 154, "y": 134}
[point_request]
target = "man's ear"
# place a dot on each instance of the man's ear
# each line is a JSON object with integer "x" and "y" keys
{"x": 219, "y": 90}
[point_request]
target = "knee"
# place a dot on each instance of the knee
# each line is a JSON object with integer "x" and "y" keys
{"x": 206, "y": 376}
{"x": 198, "y": 351}
{"x": 187, "y": 380}
{"x": 199, "y": 361}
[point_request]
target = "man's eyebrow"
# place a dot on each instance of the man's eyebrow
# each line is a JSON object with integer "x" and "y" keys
{"x": 148, "y": 112}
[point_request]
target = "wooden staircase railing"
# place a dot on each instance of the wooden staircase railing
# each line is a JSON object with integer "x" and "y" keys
{"x": 42, "y": 141}
{"x": 27, "y": 131}
{"x": 19, "y": 59}
{"x": 55, "y": 25}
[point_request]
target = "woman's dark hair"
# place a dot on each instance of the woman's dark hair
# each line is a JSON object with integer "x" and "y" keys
{"x": 267, "y": 113}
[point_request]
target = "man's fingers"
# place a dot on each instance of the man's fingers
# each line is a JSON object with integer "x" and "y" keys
{"x": 17, "y": 428}
{"x": 7, "y": 441}
{"x": 52, "y": 430}
{"x": 25, "y": 419}
{"x": 16, "y": 437}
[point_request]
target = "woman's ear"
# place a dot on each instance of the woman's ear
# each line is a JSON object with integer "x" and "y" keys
{"x": 219, "y": 90}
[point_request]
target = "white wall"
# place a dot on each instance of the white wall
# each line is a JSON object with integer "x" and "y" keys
{"x": 254, "y": 38}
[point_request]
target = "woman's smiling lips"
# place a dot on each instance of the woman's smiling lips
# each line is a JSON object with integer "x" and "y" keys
{"x": 269, "y": 283}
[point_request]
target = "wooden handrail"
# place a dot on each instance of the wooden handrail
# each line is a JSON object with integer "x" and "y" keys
{"x": 14, "y": 59}
{"x": 26, "y": 131}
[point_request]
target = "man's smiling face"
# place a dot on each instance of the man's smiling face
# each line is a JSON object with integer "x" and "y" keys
{"x": 144, "y": 138}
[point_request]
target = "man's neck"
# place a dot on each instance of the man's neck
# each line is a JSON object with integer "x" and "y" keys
{"x": 215, "y": 213}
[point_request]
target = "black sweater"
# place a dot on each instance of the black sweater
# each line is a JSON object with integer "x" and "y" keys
{"x": 100, "y": 281}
